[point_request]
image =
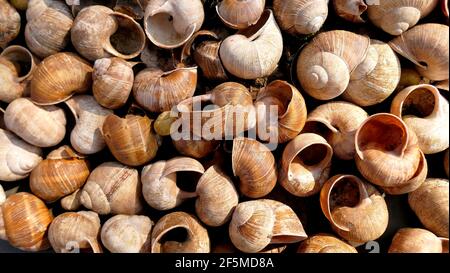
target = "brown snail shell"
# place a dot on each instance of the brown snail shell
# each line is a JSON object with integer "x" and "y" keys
{"x": 197, "y": 240}
{"x": 431, "y": 123}
{"x": 9, "y": 23}
{"x": 113, "y": 188}
{"x": 77, "y": 5}
{"x": 240, "y": 14}
{"x": 41, "y": 126}
{"x": 133, "y": 8}
{"x": 416, "y": 240}
{"x": 301, "y": 16}
{"x": 426, "y": 46}
{"x": 25, "y": 222}
{"x": 306, "y": 164}
{"x": 127, "y": 234}
{"x": 291, "y": 110}
{"x": 195, "y": 148}
{"x": 60, "y": 76}
{"x": 355, "y": 209}
{"x": 73, "y": 231}
{"x": 430, "y": 203}
{"x": 324, "y": 65}
{"x": 112, "y": 82}
{"x": 99, "y": 32}
{"x": 171, "y": 23}
{"x": 159, "y": 182}
{"x": 254, "y": 164}
{"x": 325, "y": 243}
{"x": 350, "y": 10}
{"x": 130, "y": 139}
{"x": 60, "y": 174}
{"x": 20, "y": 4}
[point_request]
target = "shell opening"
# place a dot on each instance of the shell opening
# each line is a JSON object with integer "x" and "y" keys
{"x": 344, "y": 194}
{"x": 253, "y": 31}
{"x": 173, "y": 239}
{"x": 420, "y": 103}
{"x": 312, "y": 155}
{"x": 189, "y": 182}
{"x": 21, "y": 58}
{"x": 129, "y": 38}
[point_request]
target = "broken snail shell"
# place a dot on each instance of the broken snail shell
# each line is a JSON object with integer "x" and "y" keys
{"x": 325, "y": 243}
{"x": 9, "y": 23}
{"x": 240, "y": 14}
{"x": 350, "y": 10}
{"x": 416, "y": 240}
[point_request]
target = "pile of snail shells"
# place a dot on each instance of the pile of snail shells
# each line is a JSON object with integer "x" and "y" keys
{"x": 92, "y": 98}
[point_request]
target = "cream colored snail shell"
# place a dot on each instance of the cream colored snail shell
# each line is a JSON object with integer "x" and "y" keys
{"x": 86, "y": 136}
{"x": 73, "y": 231}
{"x": 99, "y": 32}
{"x": 416, "y": 240}
{"x": 159, "y": 182}
{"x": 356, "y": 210}
{"x": 350, "y": 10}
{"x": 301, "y": 16}
{"x": 9, "y": 23}
{"x": 197, "y": 240}
{"x": 325, "y": 243}
{"x": 396, "y": 17}
{"x": 431, "y": 123}
{"x": 113, "y": 188}
{"x": 240, "y": 14}
{"x": 253, "y": 52}
{"x": 171, "y": 23}
{"x": 127, "y": 234}
{"x": 41, "y": 126}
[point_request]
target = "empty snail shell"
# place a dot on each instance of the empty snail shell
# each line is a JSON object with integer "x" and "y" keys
{"x": 350, "y": 10}
{"x": 60, "y": 76}
{"x": 86, "y": 136}
{"x": 112, "y": 82}
{"x": 17, "y": 158}
{"x": 41, "y": 126}
{"x": 255, "y": 51}
{"x": 416, "y": 240}
{"x": 17, "y": 65}
{"x": 341, "y": 120}
{"x": 171, "y": 23}
{"x": 290, "y": 116}
{"x": 197, "y": 239}
{"x": 240, "y": 14}
{"x": 426, "y": 46}
{"x": 325, "y": 243}
{"x": 60, "y": 174}
{"x": 195, "y": 148}
{"x": 355, "y": 209}
{"x": 426, "y": 112}
{"x": 159, "y": 91}
{"x": 387, "y": 154}
{"x": 306, "y": 164}
{"x": 430, "y": 203}
{"x": 78, "y": 5}
{"x": 113, "y": 188}
{"x": 25, "y": 222}
{"x": 254, "y": 164}
{"x": 127, "y": 234}
{"x": 72, "y": 202}
{"x": 73, "y": 231}
{"x": 9, "y": 23}
{"x": 47, "y": 31}
{"x": 396, "y": 17}
{"x": 130, "y": 139}
{"x": 301, "y": 16}
{"x": 324, "y": 65}
{"x": 217, "y": 197}
{"x": 159, "y": 182}
{"x": 376, "y": 78}
{"x": 446, "y": 164}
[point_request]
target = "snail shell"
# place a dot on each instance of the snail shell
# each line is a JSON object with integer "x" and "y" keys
{"x": 72, "y": 231}
{"x": 60, "y": 174}
{"x": 431, "y": 123}
{"x": 25, "y": 220}
{"x": 60, "y": 76}
{"x": 127, "y": 234}
{"x": 9, "y": 23}
{"x": 112, "y": 82}
{"x": 113, "y": 188}
{"x": 255, "y": 51}
{"x": 78, "y": 5}
{"x": 326, "y": 63}
{"x": 426, "y": 46}
{"x": 72, "y": 201}
{"x": 416, "y": 240}
{"x": 86, "y": 137}
{"x": 355, "y": 209}
{"x": 254, "y": 164}
{"x": 195, "y": 148}
{"x": 240, "y": 14}
{"x": 396, "y": 17}
{"x": 430, "y": 203}
{"x": 47, "y": 31}
{"x": 324, "y": 243}
{"x": 306, "y": 164}
{"x": 376, "y": 78}
{"x": 197, "y": 239}
{"x": 41, "y": 126}
{"x": 171, "y": 23}
{"x": 350, "y": 10}
{"x": 301, "y": 16}
{"x": 159, "y": 182}
{"x": 20, "y": 4}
